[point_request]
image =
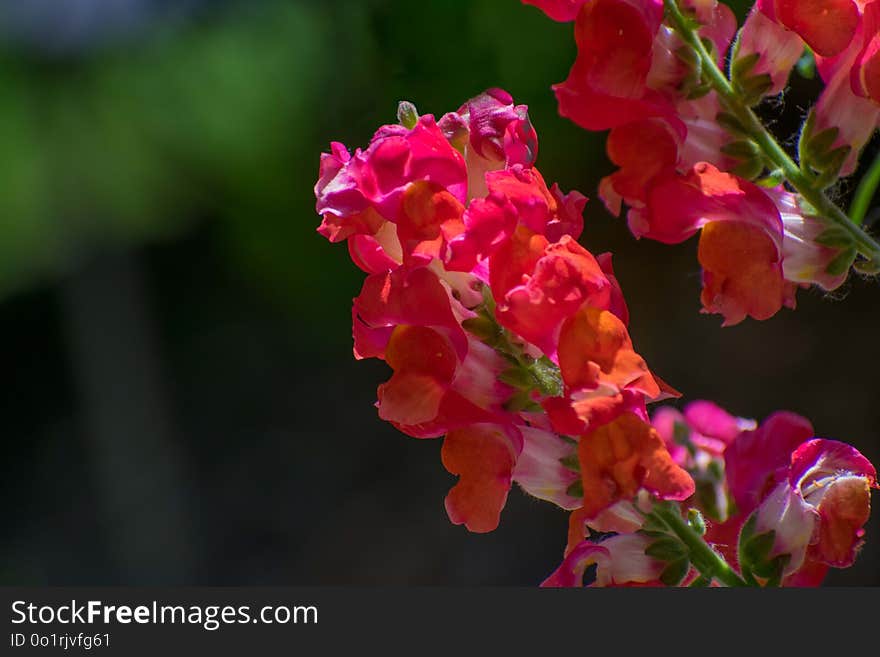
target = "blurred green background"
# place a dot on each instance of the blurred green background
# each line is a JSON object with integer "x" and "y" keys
{"x": 182, "y": 404}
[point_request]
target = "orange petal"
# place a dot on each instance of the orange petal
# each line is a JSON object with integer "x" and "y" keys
{"x": 594, "y": 347}
{"x": 483, "y": 458}
{"x": 424, "y": 364}
{"x": 742, "y": 272}
{"x": 619, "y": 458}
{"x": 844, "y": 510}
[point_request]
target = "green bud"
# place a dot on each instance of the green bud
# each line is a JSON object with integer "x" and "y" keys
{"x": 696, "y": 521}
{"x": 407, "y": 115}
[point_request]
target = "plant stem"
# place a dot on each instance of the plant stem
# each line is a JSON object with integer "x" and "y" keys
{"x": 710, "y": 564}
{"x": 865, "y": 244}
{"x": 865, "y": 192}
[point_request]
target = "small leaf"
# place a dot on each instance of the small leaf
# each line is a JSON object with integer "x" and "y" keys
{"x": 517, "y": 377}
{"x": 842, "y": 262}
{"x": 481, "y": 327}
{"x": 675, "y": 572}
{"x": 742, "y": 66}
{"x": 750, "y": 169}
{"x": 835, "y": 237}
{"x": 666, "y": 548}
{"x": 572, "y": 462}
{"x": 521, "y": 401}
{"x": 755, "y": 551}
{"x": 755, "y": 88}
{"x": 772, "y": 570}
{"x": 733, "y": 125}
{"x": 699, "y": 91}
{"x": 743, "y": 149}
{"x": 576, "y": 489}
{"x": 654, "y": 525}
{"x": 831, "y": 165}
{"x": 819, "y": 145}
{"x": 772, "y": 179}
{"x": 689, "y": 57}
{"x": 805, "y": 136}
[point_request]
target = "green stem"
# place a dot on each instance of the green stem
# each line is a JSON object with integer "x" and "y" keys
{"x": 865, "y": 192}
{"x": 865, "y": 244}
{"x": 709, "y": 563}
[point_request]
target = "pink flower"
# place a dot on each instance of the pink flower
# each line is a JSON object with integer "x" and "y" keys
{"x": 827, "y": 26}
{"x": 356, "y": 193}
{"x": 850, "y": 102}
{"x": 778, "y": 49}
{"x": 620, "y": 561}
{"x": 618, "y": 460}
{"x": 740, "y": 245}
{"x": 814, "y": 494}
{"x": 607, "y": 85}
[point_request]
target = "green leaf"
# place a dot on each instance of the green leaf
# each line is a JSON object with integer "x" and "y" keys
{"x": 755, "y": 88}
{"x": 481, "y": 327}
{"x": 675, "y": 572}
{"x": 819, "y": 145}
{"x": 699, "y": 91}
{"x": 742, "y": 149}
{"x": 772, "y": 570}
{"x": 755, "y": 551}
{"x": 842, "y": 262}
{"x": 772, "y": 179}
{"x": 835, "y": 237}
{"x": 750, "y": 169}
{"x": 667, "y": 548}
{"x": 831, "y": 165}
{"x": 572, "y": 462}
{"x": 733, "y": 125}
{"x": 742, "y": 66}
{"x": 805, "y": 136}
{"x": 576, "y": 489}
{"x": 521, "y": 401}
{"x": 517, "y": 377}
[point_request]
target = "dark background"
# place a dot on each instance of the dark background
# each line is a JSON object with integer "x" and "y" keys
{"x": 181, "y": 403}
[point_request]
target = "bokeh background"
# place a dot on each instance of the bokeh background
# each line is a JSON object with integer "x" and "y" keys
{"x": 181, "y": 403}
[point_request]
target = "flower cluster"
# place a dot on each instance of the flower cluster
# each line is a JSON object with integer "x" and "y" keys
{"x": 779, "y": 505}
{"x": 504, "y": 334}
{"x": 510, "y": 340}
{"x": 693, "y": 157}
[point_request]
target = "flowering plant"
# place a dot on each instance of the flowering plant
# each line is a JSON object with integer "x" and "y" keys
{"x": 510, "y": 340}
